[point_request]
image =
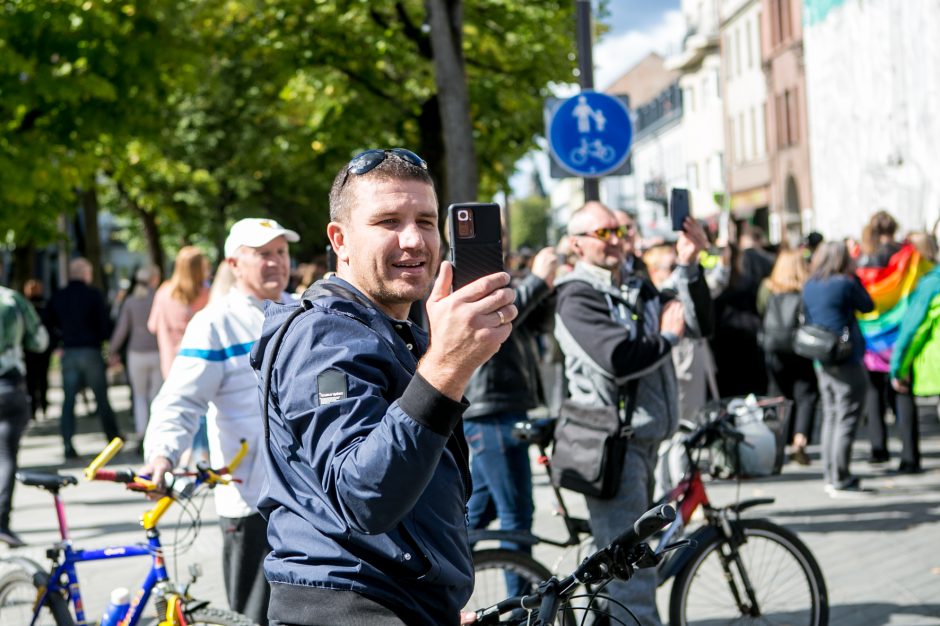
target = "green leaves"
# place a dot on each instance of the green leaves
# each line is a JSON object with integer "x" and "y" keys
{"x": 199, "y": 112}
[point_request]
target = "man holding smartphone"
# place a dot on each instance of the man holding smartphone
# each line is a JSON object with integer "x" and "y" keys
{"x": 367, "y": 462}
{"x": 616, "y": 332}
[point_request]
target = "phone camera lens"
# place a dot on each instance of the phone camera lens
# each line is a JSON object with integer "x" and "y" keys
{"x": 463, "y": 215}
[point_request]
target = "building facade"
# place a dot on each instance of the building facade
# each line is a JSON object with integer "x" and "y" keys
{"x": 703, "y": 137}
{"x": 787, "y": 128}
{"x": 872, "y": 89}
{"x": 744, "y": 98}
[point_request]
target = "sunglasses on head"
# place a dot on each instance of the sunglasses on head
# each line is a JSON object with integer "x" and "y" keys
{"x": 370, "y": 159}
{"x": 604, "y": 234}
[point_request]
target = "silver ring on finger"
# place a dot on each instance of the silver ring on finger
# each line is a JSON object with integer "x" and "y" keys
{"x": 502, "y": 318}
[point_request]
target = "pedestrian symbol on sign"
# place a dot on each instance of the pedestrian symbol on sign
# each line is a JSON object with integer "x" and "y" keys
{"x": 590, "y": 133}
{"x": 585, "y": 113}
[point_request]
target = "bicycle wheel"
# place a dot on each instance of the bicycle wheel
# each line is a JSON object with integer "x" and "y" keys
{"x": 491, "y": 567}
{"x": 787, "y": 584}
{"x": 17, "y": 597}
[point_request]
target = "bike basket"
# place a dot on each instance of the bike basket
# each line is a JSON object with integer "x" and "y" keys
{"x": 763, "y": 422}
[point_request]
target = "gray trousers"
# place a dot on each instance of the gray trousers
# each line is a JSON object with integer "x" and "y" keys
{"x": 843, "y": 389}
{"x": 610, "y": 518}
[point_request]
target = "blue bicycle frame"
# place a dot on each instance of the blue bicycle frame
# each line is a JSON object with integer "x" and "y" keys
{"x": 66, "y": 570}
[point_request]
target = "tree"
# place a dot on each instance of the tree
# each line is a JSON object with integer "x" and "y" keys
{"x": 77, "y": 78}
{"x": 184, "y": 116}
{"x": 529, "y": 218}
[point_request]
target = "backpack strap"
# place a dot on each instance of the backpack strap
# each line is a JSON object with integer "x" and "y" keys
{"x": 318, "y": 290}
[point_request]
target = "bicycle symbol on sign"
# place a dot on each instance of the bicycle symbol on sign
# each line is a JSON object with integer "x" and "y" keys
{"x": 594, "y": 149}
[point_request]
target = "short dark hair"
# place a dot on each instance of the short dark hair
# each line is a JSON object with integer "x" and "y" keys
{"x": 392, "y": 168}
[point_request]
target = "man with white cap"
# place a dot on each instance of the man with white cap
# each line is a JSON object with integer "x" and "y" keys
{"x": 211, "y": 376}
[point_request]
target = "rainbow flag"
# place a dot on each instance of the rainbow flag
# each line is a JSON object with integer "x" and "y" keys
{"x": 890, "y": 288}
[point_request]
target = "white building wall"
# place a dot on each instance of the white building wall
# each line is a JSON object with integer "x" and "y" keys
{"x": 873, "y": 92}
{"x": 745, "y": 86}
{"x": 657, "y": 156}
{"x": 703, "y": 135}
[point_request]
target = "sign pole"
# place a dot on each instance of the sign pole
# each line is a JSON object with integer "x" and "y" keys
{"x": 586, "y": 75}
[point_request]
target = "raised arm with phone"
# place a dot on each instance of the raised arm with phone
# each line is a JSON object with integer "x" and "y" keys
{"x": 367, "y": 460}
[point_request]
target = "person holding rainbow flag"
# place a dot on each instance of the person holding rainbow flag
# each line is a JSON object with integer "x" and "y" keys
{"x": 889, "y": 271}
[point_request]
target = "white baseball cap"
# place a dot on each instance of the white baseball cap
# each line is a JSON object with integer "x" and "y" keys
{"x": 254, "y": 232}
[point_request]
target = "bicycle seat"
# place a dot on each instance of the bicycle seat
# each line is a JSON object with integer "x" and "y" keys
{"x": 539, "y": 432}
{"x": 52, "y": 482}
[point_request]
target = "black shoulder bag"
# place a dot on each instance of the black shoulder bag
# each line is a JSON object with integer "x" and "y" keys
{"x": 591, "y": 443}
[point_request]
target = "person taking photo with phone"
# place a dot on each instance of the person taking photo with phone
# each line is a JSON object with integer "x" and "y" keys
{"x": 366, "y": 459}
{"x": 617, "y": 331}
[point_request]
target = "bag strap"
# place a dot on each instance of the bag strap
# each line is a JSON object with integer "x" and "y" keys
{"x": 320, "y": 289}
{"x": 629, "y": 396}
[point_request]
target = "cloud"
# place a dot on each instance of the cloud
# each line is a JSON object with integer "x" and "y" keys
{"x": 617, "y": 53}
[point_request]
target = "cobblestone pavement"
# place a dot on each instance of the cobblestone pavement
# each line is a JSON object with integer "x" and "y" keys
{"x": 880, "y": 554}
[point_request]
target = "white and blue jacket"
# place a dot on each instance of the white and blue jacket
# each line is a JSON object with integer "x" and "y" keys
{"x": 212, "y": 376}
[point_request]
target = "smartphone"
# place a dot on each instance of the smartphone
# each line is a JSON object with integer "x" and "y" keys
{"x": 679, "y": 207}
{"x": 476, "y": 241}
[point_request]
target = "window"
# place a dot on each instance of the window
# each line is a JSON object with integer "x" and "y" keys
{"x": 777, "y": 19}
{"x": 793, "y": 126}
{"x": 741, "y": 138}
{"x": 737, "y": 51}
{"x": 761, "y": 132}
{"x": 733, "y": 142}
{"x": 729, "y": 56}
{"x": 693, "y": 175}
{"x": 750, "y": 46}
{"x": 753, "y": 146}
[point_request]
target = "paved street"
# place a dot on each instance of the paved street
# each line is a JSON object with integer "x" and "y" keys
{"x": 879, "y": 554}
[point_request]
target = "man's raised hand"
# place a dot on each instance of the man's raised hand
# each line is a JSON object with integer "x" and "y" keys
{"x": 467, "y": 328}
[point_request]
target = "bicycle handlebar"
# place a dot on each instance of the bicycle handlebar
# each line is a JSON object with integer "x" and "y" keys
{"x": 103, "y": 457}
{"x": 137, "y": 482}
{"x": 599, "y": 564}
{"x": 618, "y": 559}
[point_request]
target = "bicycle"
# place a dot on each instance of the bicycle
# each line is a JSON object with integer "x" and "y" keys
{"x": 492, "y": 564}
{"x": 31, "y": 594}
{"x": 619, "y": 560}
{"x": 741, "y": 568}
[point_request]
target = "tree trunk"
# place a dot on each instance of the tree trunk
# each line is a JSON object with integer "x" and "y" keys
{"x": 151, "y": 231}
{"x": 89, "y": 201}
{"x": 446, "y": 20}
{"x": 431, "y": 149}
{"x": 24, "y": 265}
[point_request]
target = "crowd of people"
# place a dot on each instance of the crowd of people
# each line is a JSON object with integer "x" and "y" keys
{"x": 376, "y": 440}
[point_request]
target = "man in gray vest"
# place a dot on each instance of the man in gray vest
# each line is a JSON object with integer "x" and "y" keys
{"x": 614, "y": 328}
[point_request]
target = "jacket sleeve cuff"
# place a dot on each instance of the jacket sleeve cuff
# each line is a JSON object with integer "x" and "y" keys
{"x": 689, "y": 272}
{"x": 430, "y": 408}
{"x": 671, "y": 338}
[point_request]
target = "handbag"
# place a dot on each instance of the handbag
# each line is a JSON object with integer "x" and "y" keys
{"x": 590, "y": 445}
{"x": 821, "y": 344}
{"x": 781, "y": 319}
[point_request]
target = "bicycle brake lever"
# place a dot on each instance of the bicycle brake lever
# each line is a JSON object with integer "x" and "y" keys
{"x": 685, "y": 543}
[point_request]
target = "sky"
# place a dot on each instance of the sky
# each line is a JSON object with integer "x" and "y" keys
{"x": 637, "y": 27}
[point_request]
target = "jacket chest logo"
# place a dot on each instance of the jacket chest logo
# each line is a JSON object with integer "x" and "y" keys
{"x": 331, "y": 386}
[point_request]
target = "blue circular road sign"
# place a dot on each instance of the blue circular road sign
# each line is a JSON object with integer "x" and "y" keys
{"x": 589, "y": 134}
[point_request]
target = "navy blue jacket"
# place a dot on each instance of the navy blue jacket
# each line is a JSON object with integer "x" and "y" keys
{"x": 832, "y": 303}
{"x": 367, "y": 464}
